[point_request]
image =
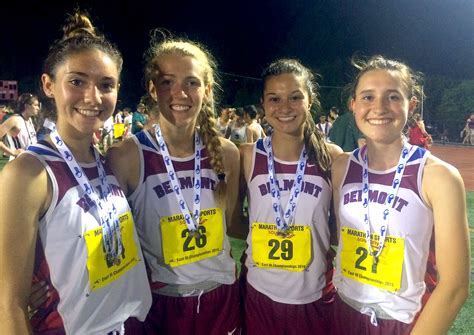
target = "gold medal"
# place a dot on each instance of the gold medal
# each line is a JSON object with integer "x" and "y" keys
{"x": 117, "y": 261}
{"x": 282, "y": 233}
{"x": 374, "y": 263}
{"x": 194, "y": 233}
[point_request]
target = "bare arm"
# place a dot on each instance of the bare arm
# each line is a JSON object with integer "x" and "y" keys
{"x": 10, "y": 126}
{"x": 124, "y": 160}
{"x": 21, "y": 206}
{"x": 232, "y": 172}
{"x": 337, "y": 173}
{"x": 444, "y": 190}
{"x": 239, "y": 222}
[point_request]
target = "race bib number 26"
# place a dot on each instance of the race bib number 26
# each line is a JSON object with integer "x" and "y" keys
{"x": 180, "y": 247}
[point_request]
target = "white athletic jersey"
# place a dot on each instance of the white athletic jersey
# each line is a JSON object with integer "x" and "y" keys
{"x": 398, "y": 283}
{"x": 154, "y": 200}
{"x": 79, "y": 305}
{"x": 25, "y": 137}
{"x": 221, "y": 127}
{"x": 312, "y": 210}
{"x": 238, "y": 135}
{"x": 324, "y": 128}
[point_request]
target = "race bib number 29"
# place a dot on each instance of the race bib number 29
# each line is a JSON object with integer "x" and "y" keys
{"x": 272, "y": 251}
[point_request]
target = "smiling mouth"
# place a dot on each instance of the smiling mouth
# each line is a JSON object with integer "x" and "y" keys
{"x": 285, "y": 118}
{"x": 180, "y": 108}
{"x": 377, "y": 122}
{"x": 88, "y": 112}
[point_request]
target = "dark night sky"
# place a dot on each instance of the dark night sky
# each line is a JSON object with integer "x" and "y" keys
{"x": 433, "y": 36}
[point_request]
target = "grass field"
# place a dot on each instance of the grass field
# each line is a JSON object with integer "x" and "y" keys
{"x": 464, "y": 323}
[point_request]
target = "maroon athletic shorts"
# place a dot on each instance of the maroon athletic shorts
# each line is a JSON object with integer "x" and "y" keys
{"x": 213, "y": 313}
{"x": 348, "y": 321}
{"x": 265, "y": 316}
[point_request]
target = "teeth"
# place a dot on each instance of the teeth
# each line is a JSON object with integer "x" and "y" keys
{"x": 285, "y": 118}
{"x": 179, "y": 107}
{"x": 379, "y": 122}
{"x": 88, "y": 112}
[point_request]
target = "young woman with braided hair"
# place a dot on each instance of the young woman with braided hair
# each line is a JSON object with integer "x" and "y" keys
{"x": 288, "y": 268}
{"x": 182, "y": 181}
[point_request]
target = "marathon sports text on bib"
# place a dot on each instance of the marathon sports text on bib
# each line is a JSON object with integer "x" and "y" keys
{"x": 102, "y": 269}
{"x": 290, "y": 252}
{"x": 180, "y": 247}
{"x": 357, "y": 261}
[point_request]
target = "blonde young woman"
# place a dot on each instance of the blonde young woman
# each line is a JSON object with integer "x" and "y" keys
{"x": 181, "y": 178}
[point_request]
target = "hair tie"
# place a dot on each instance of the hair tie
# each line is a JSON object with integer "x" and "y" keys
{"x": 221, "y": 176}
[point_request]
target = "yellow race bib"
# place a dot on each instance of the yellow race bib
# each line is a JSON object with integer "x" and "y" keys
{"x": 180, "y": 248}
{"x": 101, "y": 271}
{"x": 291, "y": 252}
{"x": 358, "y": 264}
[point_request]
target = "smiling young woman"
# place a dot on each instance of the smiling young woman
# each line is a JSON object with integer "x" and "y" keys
{"x": 402, "y": 265}
{"x": 65, "y": 220}
{"x": 181, "y": 178}
{"x": 288, "y": 264}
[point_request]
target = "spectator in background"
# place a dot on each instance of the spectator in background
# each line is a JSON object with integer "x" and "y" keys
{"x": 324, "y": 126}
{"x": 417, "y": 134}
{"x": 20, "y": 128}
{"x": 468, "y": 131}
{"x": 127, "y": 122}
{"x": 46, "y": 120}
{"x": 344, "y": 133}
{"x": 139, "y": 119}
{"x": 333, "y": 114}
{"x": 224, "y": 119}
{"x": 250, "y": 117}
{"x": 3, "y": 112}
{"x": 238, "y": 131}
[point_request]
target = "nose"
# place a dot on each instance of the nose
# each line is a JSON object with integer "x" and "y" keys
{"x": 93, "y": 95}
{"x": 285, "y": 105}
{"x": 178, "y": 91}
{"x": 380, "y": 105}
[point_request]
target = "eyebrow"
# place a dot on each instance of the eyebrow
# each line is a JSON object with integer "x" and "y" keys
{"x": 296, "y": 91}
{"x": 372, "y": 90}
{"x": 86, "y": 75}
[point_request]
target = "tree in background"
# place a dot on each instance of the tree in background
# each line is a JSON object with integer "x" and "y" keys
{"x": 457, "y": 103}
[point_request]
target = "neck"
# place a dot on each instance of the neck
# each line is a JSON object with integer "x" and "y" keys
{"x": 25, "y": 115}
{"x": 180, "y": 142}
{"x": 78, "y": 144}
{"x": 383, "y": 156}
{"x": 287, "y": 147}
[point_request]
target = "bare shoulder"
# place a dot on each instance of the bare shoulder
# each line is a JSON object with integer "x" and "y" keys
{"x": 23, "y": 170}
{"x": 229, "y": 149}
{"x": 122, "y": 151}
{"x": 334, "y": 150}
{"x": 27, "y": 183}
{"x": 123, "y": 159}
{"x": 441, "y": 178}
{"x": 338, "y": 168}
